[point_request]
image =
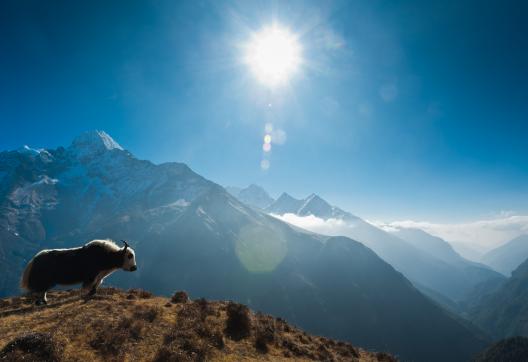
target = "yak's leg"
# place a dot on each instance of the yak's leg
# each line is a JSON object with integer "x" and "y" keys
{"x": 89, "y": 288}
{"x": 41, "y": 298}
{"x": 94, "y": 288}
{"x": 96, "y": 282}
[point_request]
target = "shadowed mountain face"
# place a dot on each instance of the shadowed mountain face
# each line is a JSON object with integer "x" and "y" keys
{"x": 508, "y": 350}
{"x": 506, "y": 258}
{"x": 503, "y": 310}
{"x": 189, "y": 233}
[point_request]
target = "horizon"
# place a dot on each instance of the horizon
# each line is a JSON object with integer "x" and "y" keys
{"x": 374, "y": 119}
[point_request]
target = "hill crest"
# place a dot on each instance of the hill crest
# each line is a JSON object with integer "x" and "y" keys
{"x": 118, "y": 325}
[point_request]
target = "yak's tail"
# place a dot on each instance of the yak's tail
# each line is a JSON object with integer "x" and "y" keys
{"x": 24, "y": 282}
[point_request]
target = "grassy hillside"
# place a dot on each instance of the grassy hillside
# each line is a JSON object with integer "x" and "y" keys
{"x": 129, "y": 326}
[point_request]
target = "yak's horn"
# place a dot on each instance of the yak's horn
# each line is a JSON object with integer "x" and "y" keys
{"x": 126, "y": 244}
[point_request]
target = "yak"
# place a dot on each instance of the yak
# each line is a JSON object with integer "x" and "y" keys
{"x": 88, "y": 264}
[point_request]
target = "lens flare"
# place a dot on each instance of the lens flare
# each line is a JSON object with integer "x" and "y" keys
{"x": 265, "y": 165}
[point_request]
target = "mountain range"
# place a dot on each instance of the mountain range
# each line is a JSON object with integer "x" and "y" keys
{"x": 429, "y": 262}
{"x": 190, "y": 233}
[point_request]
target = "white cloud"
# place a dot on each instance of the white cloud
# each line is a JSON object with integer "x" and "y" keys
{"x": 483, "y": 234}
{"x": 332, "y": 227}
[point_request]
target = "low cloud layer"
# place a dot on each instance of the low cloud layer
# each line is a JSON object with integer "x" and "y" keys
{"x": 331, "y": 227}
{"x": 481, "y": 235}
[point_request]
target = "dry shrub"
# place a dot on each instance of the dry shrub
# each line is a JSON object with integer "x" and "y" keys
{"x": 145, "y": 295}
{"x": 111, "y": 339}
{"x": 180, "y": 297}
{"x": 183, "y": 345}
{"x": 238, "y": 324}
{"x": 385, "y": 357}
{"x": 265, "y": 333}
{"x": 140, "y": 293}
{"x": 32, "y": 347}
{"x": 147, "y": 313}
{"x": 191, "y": 339}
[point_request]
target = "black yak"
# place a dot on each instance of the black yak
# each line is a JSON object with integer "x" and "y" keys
{"x": 88, "y": 264}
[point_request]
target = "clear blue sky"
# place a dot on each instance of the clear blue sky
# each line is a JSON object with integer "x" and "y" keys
{"x": 402, "y": 109}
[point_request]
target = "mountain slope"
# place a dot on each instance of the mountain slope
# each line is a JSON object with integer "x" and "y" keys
{"x": 509, "y": 256}
{"x": 508, "y": 350}
{"x": 190, "y": 233}
{"x": 133, "y": 325}
{"x": 471, "y": 274}
{"x": 504, "y": 312}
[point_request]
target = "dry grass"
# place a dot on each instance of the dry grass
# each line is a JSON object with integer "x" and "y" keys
{"x": 136, "y": 326}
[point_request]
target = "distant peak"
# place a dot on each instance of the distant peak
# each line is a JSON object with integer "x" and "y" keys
{"x": 314, "y": 197}
{"x": 96, "y": 139}
{"x": 286, "y": 196}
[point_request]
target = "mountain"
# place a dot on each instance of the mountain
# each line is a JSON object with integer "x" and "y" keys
{"x": 253, "y": 195}
{"x": 508, "y": 350}
{"x": 190, "y": 233}
{"x": 432, "y": 266}
{"x": 430, "y": 244}
{"x": 312, "y": 205}
{"x": 474, "y": 275}
{"x": 468, "y": 251}
{"x": 503, "y": 312}
{"x": 134, "y": 325}
{"x": 508, "y": 256}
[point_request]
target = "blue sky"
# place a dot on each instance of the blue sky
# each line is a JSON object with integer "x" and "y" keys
{"x": 401, "y": 109}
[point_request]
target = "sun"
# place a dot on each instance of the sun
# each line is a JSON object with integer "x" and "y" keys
{"x": 274, "y": 55}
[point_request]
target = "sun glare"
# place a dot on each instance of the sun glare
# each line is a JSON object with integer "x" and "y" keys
{"x": 274, "y": 55}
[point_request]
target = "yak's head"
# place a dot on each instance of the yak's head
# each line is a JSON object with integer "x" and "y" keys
{"x": 129, "y": 258}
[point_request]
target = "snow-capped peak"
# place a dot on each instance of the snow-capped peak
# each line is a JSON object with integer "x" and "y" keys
{"x": 96, "y": 139}
{"x": 94, "y": 142}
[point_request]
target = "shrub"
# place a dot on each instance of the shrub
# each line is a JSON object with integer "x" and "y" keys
{"x": 144, "y": 294}
{"x": 148, "y": 314}
{"x": 32, "y": 347}
{"x": 110, "y": 339}
{"x": 238, "y": 324}
{"x": 183, "y": 346}
{"x": 265, "y": 333}
{"x": 140, "y": 293}
{"x": 180, "y": 297}
{"x": 385, "y": 357}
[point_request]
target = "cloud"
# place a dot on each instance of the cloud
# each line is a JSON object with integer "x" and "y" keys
{"x": 483, "y": 234}
{"x": 332, "y": 227}
{"x": 480, "y": 235}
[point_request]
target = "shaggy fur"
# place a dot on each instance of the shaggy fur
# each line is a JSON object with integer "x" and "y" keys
{"x": 88, "y": 265}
